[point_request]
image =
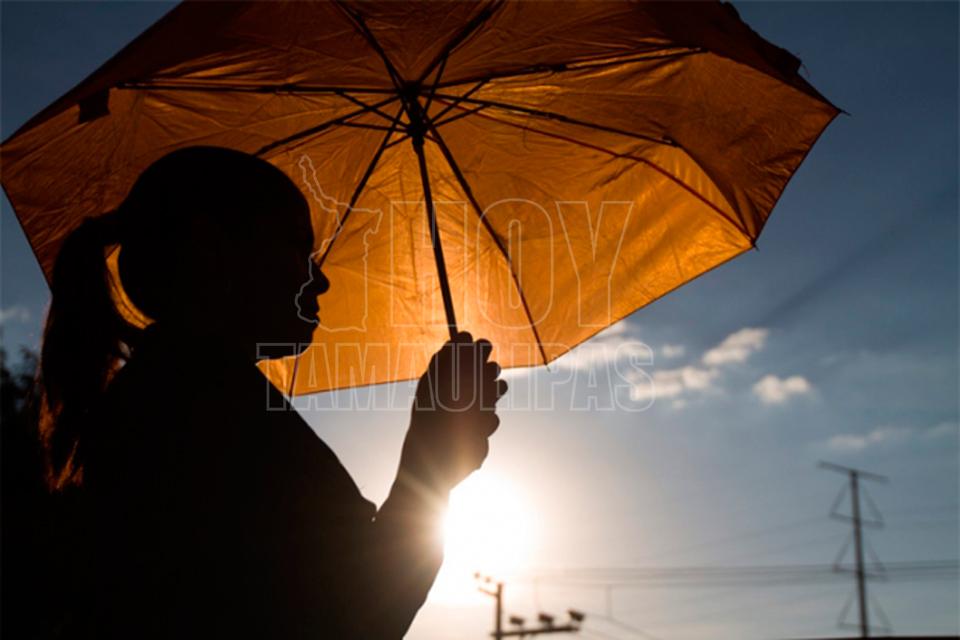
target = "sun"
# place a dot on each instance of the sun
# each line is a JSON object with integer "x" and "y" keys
{"x": 488, "y": 528}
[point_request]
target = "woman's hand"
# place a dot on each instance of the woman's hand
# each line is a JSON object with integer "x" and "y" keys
{"x": 454, "y": 413}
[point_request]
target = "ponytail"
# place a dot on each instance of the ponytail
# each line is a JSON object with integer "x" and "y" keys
{"x": 83, "y": 344}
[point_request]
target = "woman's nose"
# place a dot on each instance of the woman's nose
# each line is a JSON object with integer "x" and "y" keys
{"x": 319, "y": 283}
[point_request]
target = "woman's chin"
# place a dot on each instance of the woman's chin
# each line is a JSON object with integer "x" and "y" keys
{"x": 302, "y": 346}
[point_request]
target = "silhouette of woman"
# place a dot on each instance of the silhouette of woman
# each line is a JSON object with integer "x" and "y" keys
{"x": 204, "y": 515}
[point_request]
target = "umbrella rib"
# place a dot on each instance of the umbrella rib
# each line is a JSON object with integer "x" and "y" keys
{"x": 450, "y": 106}
{"x": 552, "y": 115}
{"x": 361, "y": 185}
{"x": 364, "y": 30}
{"x": 361, "y": 103}
{"x": 363, "y": 125}
{"x": 472, "y": 25}
{"x": 575, "y": 65}
{"x": 460, "y": 115}
{"x": 433, "y": 87}
{"x": 439, "y": 123}
{"x": 249, "y": 88}
{"x": 321, "y": 127}
{"x": 451, "y": 161}
{"x": 680, "y": 183}
{"x": 406, "y": 137}
{"x": 399, "y": 140}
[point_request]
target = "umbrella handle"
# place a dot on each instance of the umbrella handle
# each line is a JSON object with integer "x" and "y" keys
{"x": 435, "y": 238}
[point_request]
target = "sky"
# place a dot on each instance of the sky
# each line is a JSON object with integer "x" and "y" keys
{"x": 836, "y": 340}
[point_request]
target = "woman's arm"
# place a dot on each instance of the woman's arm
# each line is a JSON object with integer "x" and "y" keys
{"x": 404, "y": 554}
{"x": 452, "y": 418}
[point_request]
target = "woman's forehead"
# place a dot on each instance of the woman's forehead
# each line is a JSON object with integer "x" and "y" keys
{"x": 290, "y": 220}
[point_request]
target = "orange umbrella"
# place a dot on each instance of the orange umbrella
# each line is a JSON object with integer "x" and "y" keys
{"x": 528, "y": 171}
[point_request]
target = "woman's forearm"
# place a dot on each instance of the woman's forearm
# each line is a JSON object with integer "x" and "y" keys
{"x": 404, "y": 551}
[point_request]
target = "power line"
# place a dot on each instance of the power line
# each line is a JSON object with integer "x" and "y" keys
{"x": 494, "y": 589}
{"x": 732, "y": 579}
{"x": 706, "y": 575}
{"x": 752, "y": 605}
{"x": 739, "y": 537}
{"x": 629, "y": 628}
{"x": 799, "y": 544}
{"x": 938, "y": 508}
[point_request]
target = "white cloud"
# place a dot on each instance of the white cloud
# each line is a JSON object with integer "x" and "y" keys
{"x": 887, "y": 435}
{"x": 773, "y": 390}
{"x": 608, "y": 346}
{"x": 672, "y": 383}
{"x": 593, "y": 354}
{"x": 698, "y": 379}
{"x": 679, "y": 384}
{"x": 17, "y": 313}
{"x": 736, "y": 347}
{"x": 943, "y": 430}
{"x": 670, "y": 351}
{"x": 616, "y": 329}
{"x": 683, "y": 382}
{"x": 854, "y": 442}
{"x": 605, "y": 348}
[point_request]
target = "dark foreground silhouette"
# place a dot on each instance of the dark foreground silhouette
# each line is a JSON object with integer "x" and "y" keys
{"x": 200, "y": 513}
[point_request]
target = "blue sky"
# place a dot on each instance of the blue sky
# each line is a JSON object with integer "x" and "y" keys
{"x": 850, "y": 304}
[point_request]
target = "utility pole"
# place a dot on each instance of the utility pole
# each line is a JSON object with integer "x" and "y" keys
{"x": 546, "y": 621}
{"x": 854, "y": 476}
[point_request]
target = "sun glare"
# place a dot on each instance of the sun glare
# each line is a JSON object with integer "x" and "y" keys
{"x": 489, "y": 528}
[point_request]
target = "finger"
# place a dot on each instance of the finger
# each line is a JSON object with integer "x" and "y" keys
{"x": 442, "y": 354}
{"x": 467, "y": 363}
{"x": 493, "y": 388}
{"x": 491, "y": 371}
{"x": 488, "y": 388}
{"x": 492, "y": 393}
{"x": 460, "y": 346}
{"x": 452, "y": 350}
{"x": 441, "y": 372}
{"x": 485, "y": 347}
{"x": 488, "y": 401}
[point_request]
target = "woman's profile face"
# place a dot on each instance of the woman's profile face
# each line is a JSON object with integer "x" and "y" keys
{"x": 220, "y": 243}
{"x": 278, "y": 282}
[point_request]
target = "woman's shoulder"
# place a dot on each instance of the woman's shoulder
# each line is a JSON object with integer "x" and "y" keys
{"x": 178, "y": 402}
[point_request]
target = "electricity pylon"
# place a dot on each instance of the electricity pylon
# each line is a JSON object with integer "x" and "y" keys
{"x": 855, "y": 475}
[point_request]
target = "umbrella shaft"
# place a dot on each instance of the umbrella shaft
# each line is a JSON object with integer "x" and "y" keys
{"x": 435, "y": 238}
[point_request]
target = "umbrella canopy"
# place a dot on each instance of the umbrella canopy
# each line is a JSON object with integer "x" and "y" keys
{"x": 529, "y": 171}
